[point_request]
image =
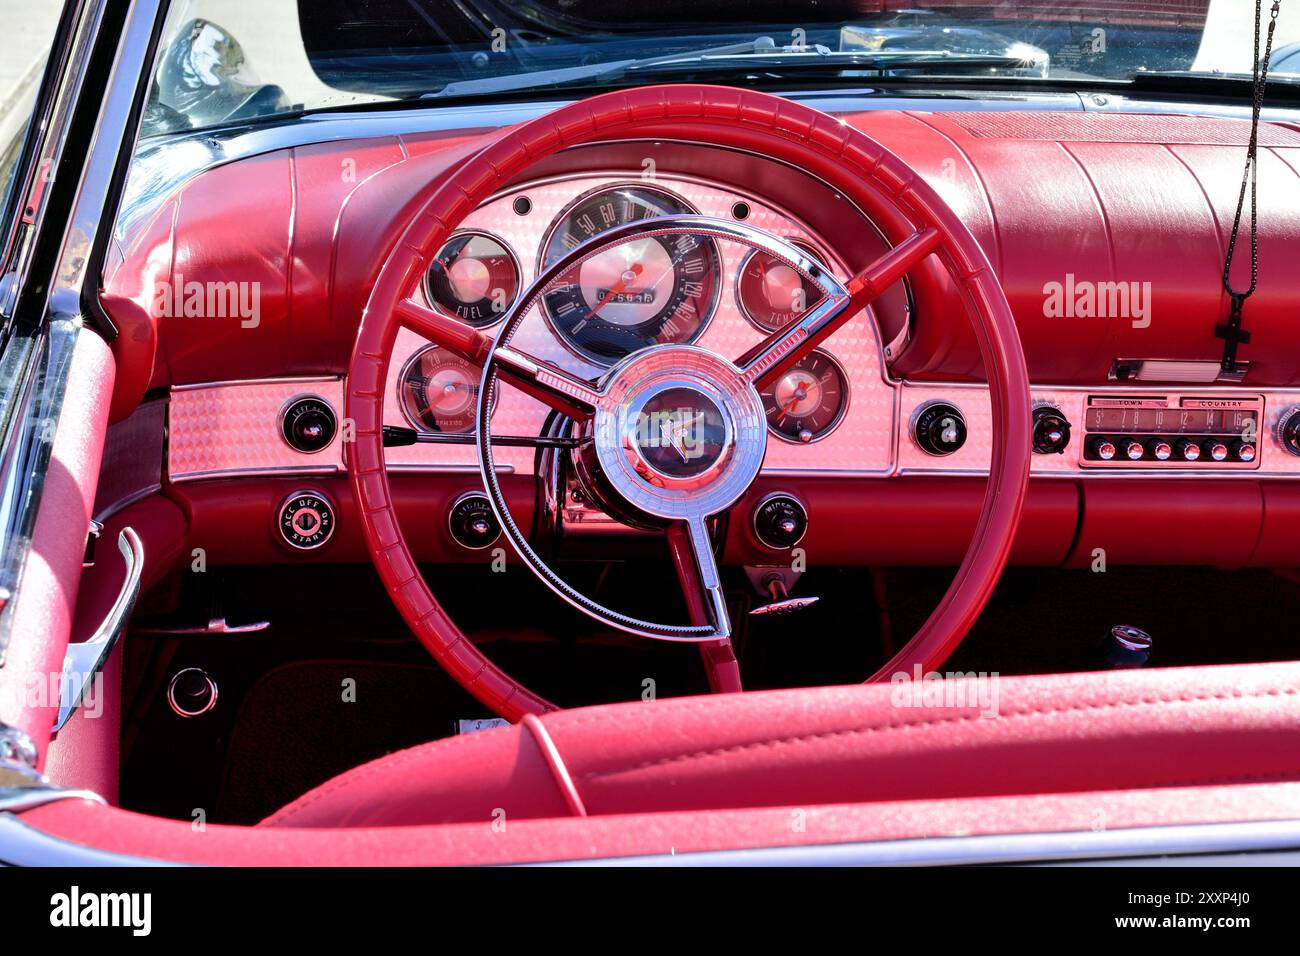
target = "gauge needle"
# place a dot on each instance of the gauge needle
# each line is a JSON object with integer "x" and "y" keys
{"x": 634, "y": 270}
{"x": 800, "y": 393}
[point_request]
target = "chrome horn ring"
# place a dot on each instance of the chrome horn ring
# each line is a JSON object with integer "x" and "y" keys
{"x": 632, "y": 450}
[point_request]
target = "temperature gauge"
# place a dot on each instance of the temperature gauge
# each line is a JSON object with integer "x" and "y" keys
{"x": 808, "y": 401}
{"x": 772, "y": 294}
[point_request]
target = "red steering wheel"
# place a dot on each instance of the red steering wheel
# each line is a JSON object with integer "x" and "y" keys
{"x": 914, "y": 216}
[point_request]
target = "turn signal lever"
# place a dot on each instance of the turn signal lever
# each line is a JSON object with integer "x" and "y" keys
{"x": 782, "y": 603}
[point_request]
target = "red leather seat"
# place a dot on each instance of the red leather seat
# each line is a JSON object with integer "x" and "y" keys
{"x": 1058, "y": 734}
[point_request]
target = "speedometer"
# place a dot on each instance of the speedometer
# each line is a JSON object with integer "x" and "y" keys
{"x": 652, "y": 291}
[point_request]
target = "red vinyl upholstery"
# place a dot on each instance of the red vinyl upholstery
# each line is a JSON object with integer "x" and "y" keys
{"x": 1189, "y": 727}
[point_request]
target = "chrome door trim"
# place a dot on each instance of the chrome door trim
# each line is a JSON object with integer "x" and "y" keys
{"x": 85, "y": 659}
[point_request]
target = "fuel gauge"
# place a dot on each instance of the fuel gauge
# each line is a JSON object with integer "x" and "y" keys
{"x": 473, "y": 277}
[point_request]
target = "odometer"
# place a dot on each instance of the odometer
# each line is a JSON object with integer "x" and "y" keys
{"x": 652, "y": 291}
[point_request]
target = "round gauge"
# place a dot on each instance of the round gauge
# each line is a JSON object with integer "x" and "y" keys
{"x": 772, "y": 294}
{"x": 662, "y": 289}
{"x": 808, "y": 401}
{"x": 474, "y": 277}
{"x": 439, "y": 391}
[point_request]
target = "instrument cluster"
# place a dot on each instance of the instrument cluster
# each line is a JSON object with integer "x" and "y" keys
{"x": 672, "y": 289}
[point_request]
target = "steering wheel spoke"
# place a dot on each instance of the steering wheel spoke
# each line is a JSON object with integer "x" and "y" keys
{"x": 454, "y": 335}
{"x": 567, "y": 394}
{"x": 768, "y": 360}
{"x": 546, "y": 382}
{"x": 697, "y": 570}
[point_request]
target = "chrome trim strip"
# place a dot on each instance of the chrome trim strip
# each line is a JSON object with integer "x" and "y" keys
{"x": 1023, "y": 848}
{"x": 16, "y": 799}
{"x": 44, "y": 360}
{"x": 84, "y": 660}
{"x": 23, "y": 845}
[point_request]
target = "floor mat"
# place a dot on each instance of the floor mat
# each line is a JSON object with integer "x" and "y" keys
{"x": 305, "y": 722}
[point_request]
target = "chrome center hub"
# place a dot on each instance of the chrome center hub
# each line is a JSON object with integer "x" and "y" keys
{"x": 681, "y": 433}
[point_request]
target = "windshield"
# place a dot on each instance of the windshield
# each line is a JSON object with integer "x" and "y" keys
{"x": 224, "y": 61}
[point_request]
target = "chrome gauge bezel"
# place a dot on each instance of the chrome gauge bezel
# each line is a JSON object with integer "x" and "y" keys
{"x": 835, "y": 422}
{"x": 688, "y": 209}
{"x": 427, "y": 289}
{"x": 414, "y": 420}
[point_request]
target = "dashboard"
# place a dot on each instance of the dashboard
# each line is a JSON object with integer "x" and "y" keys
{"x": 895, "y": 395}
{"x": 839, "y": 412}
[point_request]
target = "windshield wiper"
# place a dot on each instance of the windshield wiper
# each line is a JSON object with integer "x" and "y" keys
{"x": 761, "y": 53}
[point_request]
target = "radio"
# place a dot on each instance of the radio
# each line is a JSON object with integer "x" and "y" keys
{"x": 1162, "y": 431}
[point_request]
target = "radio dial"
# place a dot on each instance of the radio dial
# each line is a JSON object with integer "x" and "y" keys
{"x": 1243, "y": 450}
{"x": 1133, "y": 450}
{"x": 1188, "y": 450}
{"x": 1216, "y": 450}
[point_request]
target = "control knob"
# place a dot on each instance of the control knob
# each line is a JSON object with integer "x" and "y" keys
{"x": 1160, "y": 449}
{"x": 1216, "y": 450}
{"x": 1289, "y": 432}
{"x": 1051, "y": 431}
{"x": 1104, "y": 449}
{"x": 309, "y": 424}
{"x": 780, "y": 522}
{"x": 472, "y": 522}
{"x": 940, "y": 429}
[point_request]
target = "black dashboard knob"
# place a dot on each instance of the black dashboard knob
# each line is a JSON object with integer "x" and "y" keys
{"x": 1051, "y": 431}
{"x": 780, "y": 522}
{"x": 940, "y": 429}
{"x": 1289, "y": 432}
{"x": 472, "y": 523}
{"x": 309, "y": 424}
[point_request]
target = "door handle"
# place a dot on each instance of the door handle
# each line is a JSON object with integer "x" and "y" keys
{"x": 84, "y": 660}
